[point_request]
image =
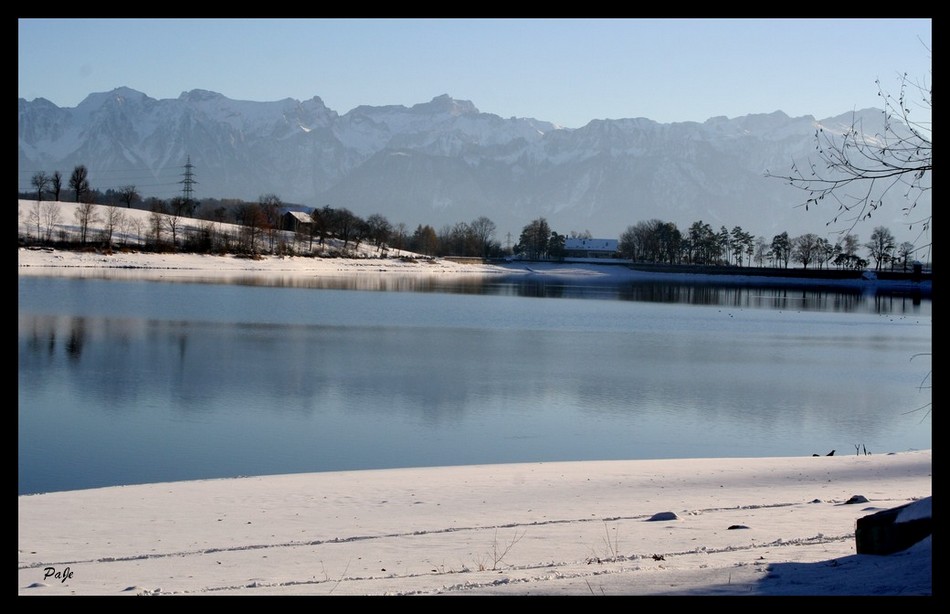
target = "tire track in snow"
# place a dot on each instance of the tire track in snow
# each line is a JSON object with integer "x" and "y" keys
{"x": 553, "y": 574}
{"x": 358, "y": 538}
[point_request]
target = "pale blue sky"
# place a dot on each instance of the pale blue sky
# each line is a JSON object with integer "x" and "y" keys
{"x": 567, "y": 71}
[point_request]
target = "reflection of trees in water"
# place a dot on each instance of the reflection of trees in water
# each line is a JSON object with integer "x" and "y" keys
{"x": 476, "y": 387}
{"x": 45, "y": 330}
{"x": 806, "y": 300}
{"x": 42, "y": 334}
{"x": 786, "y": 298}
{"x": 897, "y": 303}
{"x": 733, "y": 294}
{"x": 535, "y": 288}
{"x": 182, "y": 347}
{"x": 76, "y": 339}
{"x": 811, "y": 298}
{"x": 381, "y": 281}
{"x": 207, "y": 361}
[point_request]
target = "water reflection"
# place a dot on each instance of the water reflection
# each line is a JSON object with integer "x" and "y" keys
{"x": 123, "y": 382}
{"x": 731, "y": 292}
{"x": 802, "y": 297}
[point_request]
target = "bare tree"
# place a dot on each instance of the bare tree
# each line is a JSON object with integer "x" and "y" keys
{"x": 644, "y": 241}
{"x": 177, "y": 208}
{"x": 128, "y": 194}
{"x": 379, "y": 229}
{"x": 346, "y": 226}
{"x": 806, "y": 249}
{"x": 904, "y": 252}
{"x": 270, "y": 205}
{"x": 56, "y": 184}
{"x": 156, "y": 221}
{"x": 881, "y": 246}
{"x": 484, "y": 231}
{"x": 132, "y": 225}
{"x": 206, "y": 237}
{"x": 85, "y": 215}
{"x": 400, "y": 236}
{"x": 253, "y": 222}
{"x": 79, "y": 183}
{"x": 34, "y": 217}
{"x": 114, "y": 219}
{"x": 824, "y": 251}
{"x": 859, "y": 169}
{"x": 321, "y": 223}
{"x": 459, "y": 240}
{"x": 761, "y": 251}
{"x": 849, "y": 244}
{"x": 41, "y": 182}
{"x": 51, "y": 216}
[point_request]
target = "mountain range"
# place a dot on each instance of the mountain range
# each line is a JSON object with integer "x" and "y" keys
{"x": 439, "y": 162}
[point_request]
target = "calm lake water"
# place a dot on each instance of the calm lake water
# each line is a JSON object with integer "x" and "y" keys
{"x": 125, "y": 382}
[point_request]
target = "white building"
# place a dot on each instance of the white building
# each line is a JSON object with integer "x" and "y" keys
{"x": 591, "y": 248}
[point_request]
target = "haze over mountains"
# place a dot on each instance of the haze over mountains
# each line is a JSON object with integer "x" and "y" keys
{"x": 441, "y": 162}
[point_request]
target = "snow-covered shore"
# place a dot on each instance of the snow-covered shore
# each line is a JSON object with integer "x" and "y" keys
{"x": 278, "y": 270}
{"x": 764, "y": 526}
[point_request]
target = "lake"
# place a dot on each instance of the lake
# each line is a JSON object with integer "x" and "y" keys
{"x": 127, "y": 382}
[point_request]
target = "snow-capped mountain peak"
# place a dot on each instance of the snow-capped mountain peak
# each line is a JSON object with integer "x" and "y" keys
{"x": 455, "y": 162}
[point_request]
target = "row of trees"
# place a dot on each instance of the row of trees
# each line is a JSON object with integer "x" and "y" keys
{"x": 263, "y": 219}
{"x": 101, "y": 225}
{"x": 659, "y": 241}
{"x": 51, "y": 185}
{"x": 262, "y": 230}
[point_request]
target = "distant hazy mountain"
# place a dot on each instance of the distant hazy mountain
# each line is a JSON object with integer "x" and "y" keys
{"x": 437, "y": 163}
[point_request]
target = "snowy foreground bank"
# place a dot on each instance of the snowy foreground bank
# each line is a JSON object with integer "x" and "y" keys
{"x": 762, "y": 526}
